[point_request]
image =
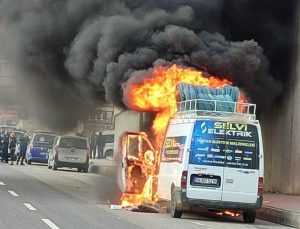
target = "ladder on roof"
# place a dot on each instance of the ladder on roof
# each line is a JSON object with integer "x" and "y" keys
{"x": 217, "y": 108}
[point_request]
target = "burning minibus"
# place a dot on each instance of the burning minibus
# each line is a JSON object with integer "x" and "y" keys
{"x": 209, "y": 154}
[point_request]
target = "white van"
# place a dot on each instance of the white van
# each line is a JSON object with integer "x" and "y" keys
{"x": 213, "y": 159}
{"x": 210, "y": 158}
{"x": 71, "y": 152}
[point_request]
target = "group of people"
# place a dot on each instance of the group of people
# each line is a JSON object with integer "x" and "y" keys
{"x": 96, "y": 141}
{"x": 9, "y": 144}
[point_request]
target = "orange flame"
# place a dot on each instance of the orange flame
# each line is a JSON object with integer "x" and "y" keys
{"x": 158, "y": 93}
{"x": 228, "y": 213}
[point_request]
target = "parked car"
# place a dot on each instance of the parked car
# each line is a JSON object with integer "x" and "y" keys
{"x": 71, "y": 152}
{"x": 39, "y": 147}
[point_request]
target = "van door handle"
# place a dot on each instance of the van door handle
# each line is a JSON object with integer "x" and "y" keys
{"x": 229, "y": 181}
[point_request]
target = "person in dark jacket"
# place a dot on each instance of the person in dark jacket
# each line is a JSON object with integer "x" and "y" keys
{"x": 1, "y": 136}
{"x": 93, "y": 140}
{"x": 5, "y": 142}
{"x": 12, "y": 147}
{"x": 24, "y": 141}
{"x": 100, "y": 143}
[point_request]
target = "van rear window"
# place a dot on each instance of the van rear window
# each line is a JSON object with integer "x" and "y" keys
{"x": 73, "y": 143}
{"x": 173, "y": 149}
{"x": 43, "y": 139}
{"x": 225, "y": 144}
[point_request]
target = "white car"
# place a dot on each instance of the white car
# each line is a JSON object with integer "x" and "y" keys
{"x": 71, "y": 152}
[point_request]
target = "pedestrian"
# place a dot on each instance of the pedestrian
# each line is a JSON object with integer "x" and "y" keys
{"x": 5, "y": 142}
{"x": 100, "y": 143}
{"x": 93, "y": 140}
{"x": 1, "y": 136}
{"x": 24, "y": 141}
{"x": 12, "y": 147}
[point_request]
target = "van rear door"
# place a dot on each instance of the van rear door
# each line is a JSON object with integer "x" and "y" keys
{"x": 138, "y": 158}
{"x": 241, "y": 171}
{"x": 206, "y": 162}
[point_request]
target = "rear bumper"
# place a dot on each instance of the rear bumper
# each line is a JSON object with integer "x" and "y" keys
{"x": 37, "y": 159}
{"x": 183, "y": 200}
{"x": 71, "y": 164}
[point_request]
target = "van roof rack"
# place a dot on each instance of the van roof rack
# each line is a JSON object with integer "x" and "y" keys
{"x": 216, "y": 108}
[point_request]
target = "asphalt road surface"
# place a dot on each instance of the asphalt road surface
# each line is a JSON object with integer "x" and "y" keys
{"x": 35, "y": 197}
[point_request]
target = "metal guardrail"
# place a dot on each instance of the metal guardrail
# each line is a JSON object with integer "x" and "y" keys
{"x": 216, "y": 108}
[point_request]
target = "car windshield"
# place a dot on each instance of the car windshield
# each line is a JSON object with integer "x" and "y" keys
{"x": 76, "y": 143}
{"x": 43, "y": 139}
{"x": 225, "y": 144}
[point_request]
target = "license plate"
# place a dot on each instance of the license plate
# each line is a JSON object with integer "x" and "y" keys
{"x": 72, "y": 158}
{"x": 209, "y": 181}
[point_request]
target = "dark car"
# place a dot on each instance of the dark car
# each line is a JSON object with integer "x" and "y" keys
{"x": 39, "y": 147}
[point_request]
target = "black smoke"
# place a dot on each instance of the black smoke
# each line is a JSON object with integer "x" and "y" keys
{"x": 85, "y": 51}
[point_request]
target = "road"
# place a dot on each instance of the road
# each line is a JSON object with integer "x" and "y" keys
{"x": 36, "y": 197}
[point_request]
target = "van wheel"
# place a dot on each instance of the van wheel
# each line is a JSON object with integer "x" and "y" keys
{"x": 175, "y": 213}
{"x": 108, "y": 153}
{"x": 85, "y": 170}
{"x": 249, "y": 216}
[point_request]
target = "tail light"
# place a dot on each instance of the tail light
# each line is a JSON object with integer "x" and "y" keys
{"x": 184, "y": 179}
{"x": 260, "y": 189}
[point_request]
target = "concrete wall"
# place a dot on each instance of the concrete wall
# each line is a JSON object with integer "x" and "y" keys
{"x": 281, "y": 132}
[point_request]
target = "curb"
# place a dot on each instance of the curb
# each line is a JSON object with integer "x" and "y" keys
{"x": 280, "y": 216}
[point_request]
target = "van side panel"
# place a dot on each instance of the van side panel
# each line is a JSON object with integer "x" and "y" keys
{"x": 173, "y": 157}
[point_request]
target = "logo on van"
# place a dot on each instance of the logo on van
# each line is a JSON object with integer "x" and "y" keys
{"x": 203, "y": 128}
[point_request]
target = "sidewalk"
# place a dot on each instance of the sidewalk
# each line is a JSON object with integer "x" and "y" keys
{"x": 277, "y": 208}
{"x": 282, "y": 209}
{"x": 106, "y": 167}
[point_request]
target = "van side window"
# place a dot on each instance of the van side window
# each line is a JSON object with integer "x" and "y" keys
{"x": 173, "y": 149}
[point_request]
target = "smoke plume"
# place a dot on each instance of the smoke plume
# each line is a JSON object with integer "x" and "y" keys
{"x": 85, "y": 51}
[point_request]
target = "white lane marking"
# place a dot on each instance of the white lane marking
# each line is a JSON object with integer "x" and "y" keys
{"x": 30, "y": 207}
{"x": 50, "y": 223}
{"x": 13, "y": 193}
{"x": 200, "y": 224}
{"x": 1, "y": 183}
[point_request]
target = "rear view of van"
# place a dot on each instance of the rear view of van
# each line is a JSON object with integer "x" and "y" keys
{"x": 216, "y": 163}
{"x": 39, "y": 147}
{"x": 69, "y": 151}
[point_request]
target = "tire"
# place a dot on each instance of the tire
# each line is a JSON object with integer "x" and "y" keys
{"x": 85, "y": 170}
{"x": 28, "y": 162}
{"x": 249, "y": 216}
{"x": 175, "y": 213}
{"x": 108, "y": 153}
